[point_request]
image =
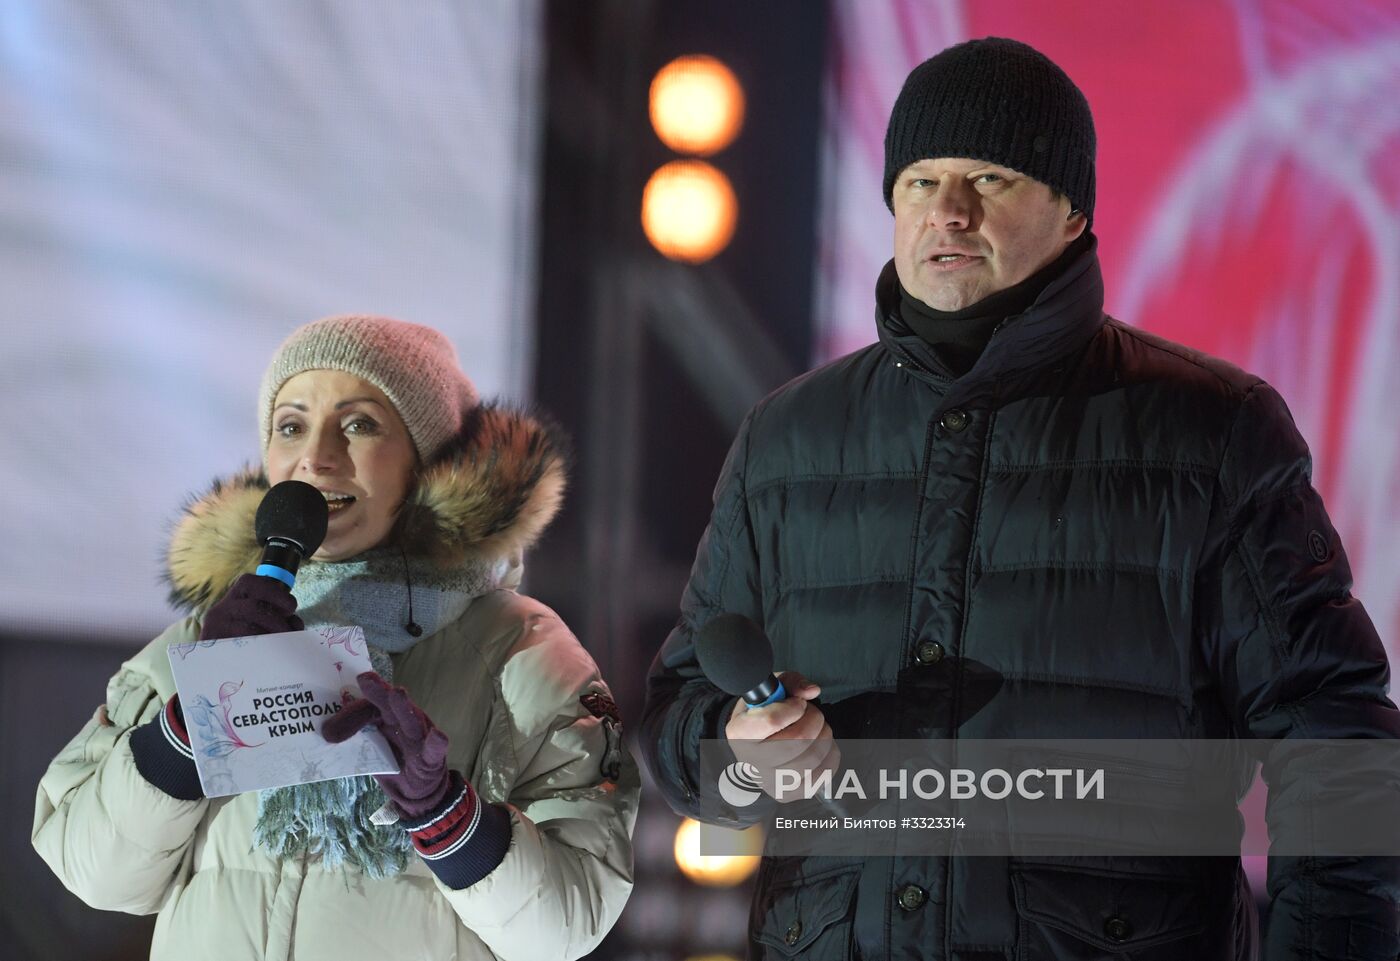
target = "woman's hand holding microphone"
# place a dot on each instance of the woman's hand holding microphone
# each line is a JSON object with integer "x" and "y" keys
{"x": 161, "y": 747}
{"x": 253, "y": 605}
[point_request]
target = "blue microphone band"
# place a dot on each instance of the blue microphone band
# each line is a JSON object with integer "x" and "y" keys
{"x": 272, "y": 570}
{"x": 779, "y": 695}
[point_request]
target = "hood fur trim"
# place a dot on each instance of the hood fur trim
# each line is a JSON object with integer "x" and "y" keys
{"x": 490, "y": 492}
{"x": 213, "y": 541}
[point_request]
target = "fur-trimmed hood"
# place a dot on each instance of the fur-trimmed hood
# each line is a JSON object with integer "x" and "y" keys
{"x": 489, "y": 493}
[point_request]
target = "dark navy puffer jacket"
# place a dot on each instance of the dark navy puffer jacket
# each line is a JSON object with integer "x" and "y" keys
{"x": 1119, "y": 530}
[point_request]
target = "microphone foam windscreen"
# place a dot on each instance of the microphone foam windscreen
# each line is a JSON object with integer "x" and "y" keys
{"x": 296, "y": 511}
{"x": 734, "y": 653}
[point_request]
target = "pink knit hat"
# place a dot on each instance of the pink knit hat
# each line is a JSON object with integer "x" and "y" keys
{"x": 416, "y": 368}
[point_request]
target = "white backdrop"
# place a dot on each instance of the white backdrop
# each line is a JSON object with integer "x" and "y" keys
{"x": 182, "y": 184}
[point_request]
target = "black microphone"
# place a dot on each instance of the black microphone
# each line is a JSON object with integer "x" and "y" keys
{"x": 737, "y": 657}
{"x": 290, "y": 524}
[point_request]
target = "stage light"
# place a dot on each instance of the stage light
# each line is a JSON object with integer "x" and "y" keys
{"x": 716, "y": 870}
{"x": 697, "y": 105}
{"x": 689, "y": 210}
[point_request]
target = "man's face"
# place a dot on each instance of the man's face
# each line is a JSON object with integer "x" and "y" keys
{"x": 964, "y": 229}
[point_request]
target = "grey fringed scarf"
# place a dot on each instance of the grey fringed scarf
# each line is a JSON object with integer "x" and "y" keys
{"x": 332, "y": 818}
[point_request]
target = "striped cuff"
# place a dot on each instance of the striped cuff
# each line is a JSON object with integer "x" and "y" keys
{"x": 464, "y": 838}
{"x": 161, "y": 749}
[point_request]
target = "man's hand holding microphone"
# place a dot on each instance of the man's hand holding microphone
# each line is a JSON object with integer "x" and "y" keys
{"x": 774, "y": 725}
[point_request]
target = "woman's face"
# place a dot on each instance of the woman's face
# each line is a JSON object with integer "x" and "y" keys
{"x": 341, "y": 435}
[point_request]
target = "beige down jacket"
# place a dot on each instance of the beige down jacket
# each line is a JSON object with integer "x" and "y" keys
{"x": 507, "y": 682}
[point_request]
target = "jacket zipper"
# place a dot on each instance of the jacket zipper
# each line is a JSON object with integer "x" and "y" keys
{"x": 910, "y": 361}
{"x": 914, "y": 541}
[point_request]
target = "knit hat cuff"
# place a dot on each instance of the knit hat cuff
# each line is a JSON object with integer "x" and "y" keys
{"x": 414, "y": 366}
{"x": 1002, "y": 102}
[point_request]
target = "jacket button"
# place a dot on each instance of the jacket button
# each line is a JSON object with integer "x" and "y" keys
{"x": 911, "y": 897}
{"x": 955, "y": 420}
{"x": 1317, "y": 546}
{"x": 928, "y": 652}
{"x": 794, "y": 932}
{"x": 1117, "y": 929}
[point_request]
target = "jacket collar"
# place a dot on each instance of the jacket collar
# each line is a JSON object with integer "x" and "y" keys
{"x": 487, "y": 496}
{"x": 1063, "y": 319}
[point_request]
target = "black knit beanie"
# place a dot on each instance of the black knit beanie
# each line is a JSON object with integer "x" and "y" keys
{"x": 1000, "y": 101}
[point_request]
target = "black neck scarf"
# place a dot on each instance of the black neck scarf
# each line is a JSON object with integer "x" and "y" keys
{"x": 958, "y": 337}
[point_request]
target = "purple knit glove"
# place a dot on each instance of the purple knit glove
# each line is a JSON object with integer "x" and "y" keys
{"x": 419, "y": 746}
{"x": 253, "y": 605}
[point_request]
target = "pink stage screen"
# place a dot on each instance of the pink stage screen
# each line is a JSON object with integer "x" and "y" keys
{"x": 1248, "y": 203}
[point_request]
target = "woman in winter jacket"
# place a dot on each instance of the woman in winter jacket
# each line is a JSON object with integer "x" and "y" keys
{"x": 514, "y": 803}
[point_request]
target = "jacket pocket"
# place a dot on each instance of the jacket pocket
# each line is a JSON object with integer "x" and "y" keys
{"x": 1073, "y": 913}
{"x": 809, "y": 917}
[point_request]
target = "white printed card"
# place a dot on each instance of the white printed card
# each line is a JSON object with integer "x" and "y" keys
{"x": 254, "y": 707}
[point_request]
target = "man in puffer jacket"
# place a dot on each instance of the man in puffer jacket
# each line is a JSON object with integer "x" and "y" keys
{"x": 1063, "y": 526}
